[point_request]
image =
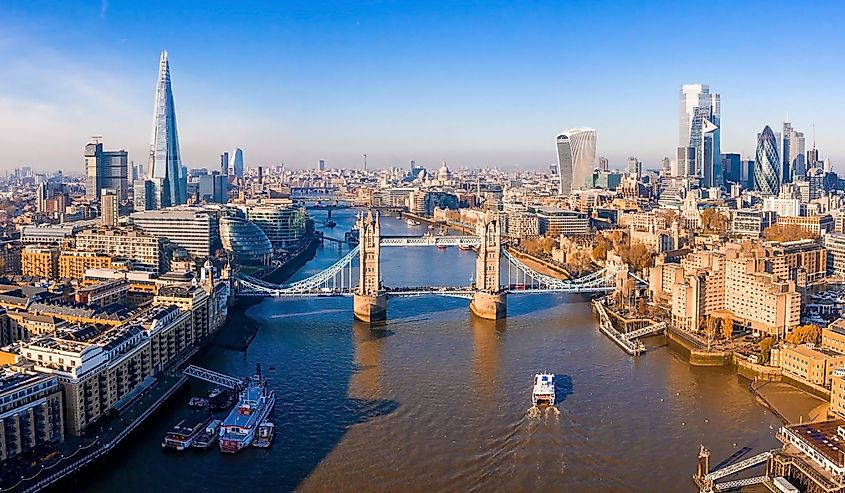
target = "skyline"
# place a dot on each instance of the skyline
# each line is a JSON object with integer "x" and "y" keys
{"x": 296, "y": 84}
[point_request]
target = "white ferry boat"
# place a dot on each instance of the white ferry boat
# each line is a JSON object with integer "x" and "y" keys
{"x": 544, "y": 389}
{"x": 241, "y": 426}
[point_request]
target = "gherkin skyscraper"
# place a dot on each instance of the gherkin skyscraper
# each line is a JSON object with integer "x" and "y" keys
{"x": 767, "y": 165}
{"x": 166, "y": 169}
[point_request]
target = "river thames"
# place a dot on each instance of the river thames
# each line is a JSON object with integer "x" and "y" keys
{"x": 437, "y": 400}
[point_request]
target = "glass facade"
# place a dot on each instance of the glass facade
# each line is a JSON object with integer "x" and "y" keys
{"x": 166, "y": 170}
{"x": 576, "y": 157}
{"x": 245, "y": 241}
{"x": 283, "y": 225}
{"x": 700, "y": 119}
{"x": 767, "y": 165}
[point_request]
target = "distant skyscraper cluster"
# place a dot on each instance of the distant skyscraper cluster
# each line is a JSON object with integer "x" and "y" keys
{"x": 576, "y": 158}
{"x": 699, "y": 151}
{"x": 793, "y": 158}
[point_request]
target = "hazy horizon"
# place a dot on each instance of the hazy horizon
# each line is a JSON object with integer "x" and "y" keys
{"x": 477, "y": 84}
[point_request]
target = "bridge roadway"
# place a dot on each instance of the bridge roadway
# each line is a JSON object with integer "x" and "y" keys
{"x": 429, "y": 240}
{"x": 411, "y": 291}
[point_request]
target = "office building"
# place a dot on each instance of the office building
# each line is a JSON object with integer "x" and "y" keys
{"x": 608, "y": 180}
{"x": 814, "y": 225}
{"x": 136, "y": 171}
{"x": 109, "y": 208}
{"x": 213, "y": 188}
{"x": 767, "y": 170}
{"x": 194, "y": 229}
{"x": 143, "y": 198}
{"x": 224, "y": 164}
{"x": 635, "y": 166}
{"x": 813, "y": 157}
{"x": 147, "y": 252}
{"x": 792, "y": 153}
{"x": 685, "y": 161}
{"x": 732, "y": 166}
{"x": 750, "y": 223}
{"x": 284, "y": 225}
{"x": 666, "y": 167}
{"x": 523, "y": 225}
{"x": 554, "y": 222}
{"x": 321, "y": 165}
{"x": 782, "y": 206}
{"x": 699, "y": 134}
{"x": 236, "y": 165}
{"x": 576, "y": 158}
{"x": 42, "y": 194}
{"x": 245, "y": 241}
{"x": 105, "y": 170}
{"x": 604, "y": 164}
{"x": 166, "y": 171}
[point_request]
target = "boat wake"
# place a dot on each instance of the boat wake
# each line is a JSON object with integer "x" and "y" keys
{"x": 542, "y": 412}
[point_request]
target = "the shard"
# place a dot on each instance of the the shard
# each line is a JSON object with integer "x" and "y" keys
{"x": 165, "y": 167}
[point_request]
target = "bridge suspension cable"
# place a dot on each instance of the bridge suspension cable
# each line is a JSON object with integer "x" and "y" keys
{"x": 601, "y": 280}
{"x": 339, "y": 280}
{"x": 325, "y": 281}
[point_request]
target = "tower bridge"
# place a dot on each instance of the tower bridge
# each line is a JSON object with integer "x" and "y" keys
{"x": 487, "y": 294}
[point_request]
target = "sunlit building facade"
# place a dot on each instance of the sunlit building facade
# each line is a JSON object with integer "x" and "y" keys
{"x": 576, "y": 158}
{"x": 236, "y": 166}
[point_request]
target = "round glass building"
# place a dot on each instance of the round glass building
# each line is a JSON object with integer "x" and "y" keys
{"x": 245, "y": 241}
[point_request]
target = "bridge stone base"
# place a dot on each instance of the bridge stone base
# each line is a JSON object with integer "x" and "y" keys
{"x": 370, "y": 309}
{"x": 489, "y": 306}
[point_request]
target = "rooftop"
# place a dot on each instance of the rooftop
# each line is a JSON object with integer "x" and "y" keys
{"x": 823, "y": 437}
{"x": 11, "y": 379}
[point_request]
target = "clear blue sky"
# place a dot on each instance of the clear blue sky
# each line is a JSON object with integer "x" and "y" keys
{"x": 472, "y": 83}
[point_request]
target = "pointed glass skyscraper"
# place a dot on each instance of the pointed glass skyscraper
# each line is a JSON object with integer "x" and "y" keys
{"x": 165, "y": 167}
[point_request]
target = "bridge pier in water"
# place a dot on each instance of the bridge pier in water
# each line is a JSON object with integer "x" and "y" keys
{"x": 489, "y": 300}
{"x": 370, "y": 309}
{"x": 369, "y": 300}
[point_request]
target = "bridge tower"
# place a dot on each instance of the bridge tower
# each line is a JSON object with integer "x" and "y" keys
{"x": 370, "y": 301}
{"x": 489, "y": 300}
